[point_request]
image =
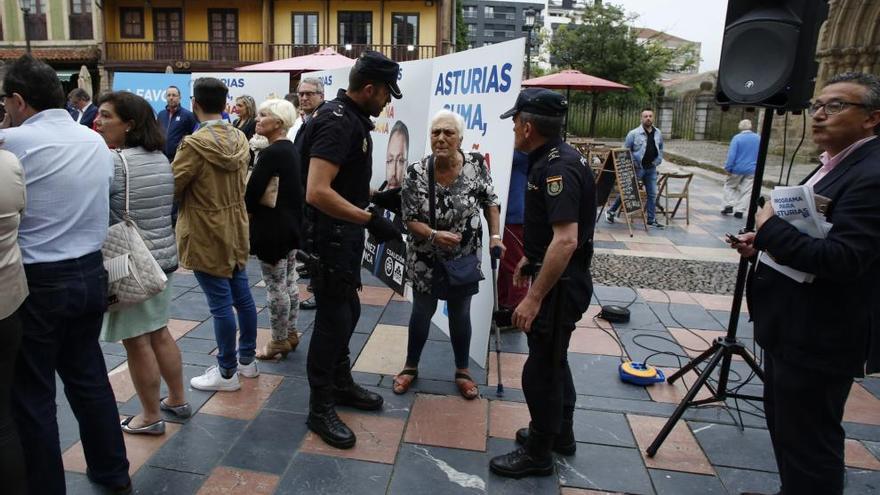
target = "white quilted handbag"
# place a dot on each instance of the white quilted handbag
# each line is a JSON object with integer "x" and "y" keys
{"x": 134, "y": 275}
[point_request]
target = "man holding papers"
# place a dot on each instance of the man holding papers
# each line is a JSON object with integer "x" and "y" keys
{"x": 819, "y": 333}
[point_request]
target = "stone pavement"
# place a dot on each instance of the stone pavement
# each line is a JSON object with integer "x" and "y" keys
{"x": 430, "y": 439}
{"x": 677, "y": 282}
{"x": 712, "y": 155}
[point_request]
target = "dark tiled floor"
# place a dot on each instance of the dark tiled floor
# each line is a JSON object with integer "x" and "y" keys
{"x": 272, "y": 452}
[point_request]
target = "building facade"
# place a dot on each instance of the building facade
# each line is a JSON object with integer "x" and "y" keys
{"x": 495, "y": 21}
{"x": 687, "y": 51}
{"x": 67, "y": 34}
{"x": 218, "y": 35}
{"x": 224, "y": 34}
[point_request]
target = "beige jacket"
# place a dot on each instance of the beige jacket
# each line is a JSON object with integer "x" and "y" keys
{"x": 13, "y": 284}
{"x": 209, "y": 184}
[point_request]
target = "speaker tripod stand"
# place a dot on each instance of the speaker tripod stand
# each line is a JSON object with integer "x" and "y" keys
{"x": 723, "y": 348}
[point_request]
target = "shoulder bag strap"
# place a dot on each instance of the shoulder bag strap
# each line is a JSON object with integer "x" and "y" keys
{"x": 125, "y": 214}
{"x": 431, "y": 207}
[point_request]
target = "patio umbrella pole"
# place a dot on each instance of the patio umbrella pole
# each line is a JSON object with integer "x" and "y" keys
{"x": 565, "y": 126}
{"x": 723, "y": 348}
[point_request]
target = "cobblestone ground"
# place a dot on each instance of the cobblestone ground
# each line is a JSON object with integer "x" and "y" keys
{"x": 713, "y": 155}
{"x": 665, "y": 274}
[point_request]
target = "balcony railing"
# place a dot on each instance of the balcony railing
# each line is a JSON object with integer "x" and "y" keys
{"x": 193, "y": 51}
{"x": 399, "y": 53}
{"x": 168, "y": 52}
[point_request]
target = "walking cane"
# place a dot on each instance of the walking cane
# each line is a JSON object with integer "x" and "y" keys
{"x": 495, "y": 254}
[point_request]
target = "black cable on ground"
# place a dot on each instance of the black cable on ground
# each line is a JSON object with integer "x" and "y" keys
{"x": 734, "y": 377}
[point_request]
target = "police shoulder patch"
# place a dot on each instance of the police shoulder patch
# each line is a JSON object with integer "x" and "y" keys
{"x": 554, "y": 185}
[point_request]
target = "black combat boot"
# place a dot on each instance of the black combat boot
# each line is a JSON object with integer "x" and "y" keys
{"x": 325, "y": 423}
{"x": 348, "y": 393}
{"x": 533, "y": 459}
{"x": 563, "y": 443}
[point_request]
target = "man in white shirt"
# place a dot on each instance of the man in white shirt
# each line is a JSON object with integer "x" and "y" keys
{"x": 68, "y": 170}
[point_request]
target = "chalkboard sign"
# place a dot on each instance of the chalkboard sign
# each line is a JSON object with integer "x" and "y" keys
{"x": 619, "y": 171}
{"x": 605, "y": 180}
{"x": 627, "y": 182}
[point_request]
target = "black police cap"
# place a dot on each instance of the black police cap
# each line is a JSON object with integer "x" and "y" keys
{"x": 539, "y": 102}
{"x": 376, "y": 66}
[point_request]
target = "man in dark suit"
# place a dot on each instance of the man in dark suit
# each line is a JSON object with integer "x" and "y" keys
{"x": 817, "y": 336}
{"x": 84, "y": 112}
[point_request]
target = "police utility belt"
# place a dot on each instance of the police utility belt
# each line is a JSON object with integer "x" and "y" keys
{"x": 580, "y": 260}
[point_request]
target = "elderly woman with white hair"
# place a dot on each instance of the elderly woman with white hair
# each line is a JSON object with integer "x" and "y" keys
{"x": 275, "y": 225}
{"x": 442, "y": 197}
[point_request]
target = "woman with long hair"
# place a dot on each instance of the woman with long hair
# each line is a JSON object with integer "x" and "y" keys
{"x": 246, "y": 108}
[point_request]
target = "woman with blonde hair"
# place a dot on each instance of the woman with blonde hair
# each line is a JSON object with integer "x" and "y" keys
{"x": 275, "y": 228}
{"x": 246, "y": 108}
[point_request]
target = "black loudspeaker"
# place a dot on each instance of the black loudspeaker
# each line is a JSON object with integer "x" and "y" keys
{"x": 768, "y": 56}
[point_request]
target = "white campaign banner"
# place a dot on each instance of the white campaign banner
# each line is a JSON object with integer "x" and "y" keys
{"x": 261, "y": 86}
{"x": 479, "y": 85}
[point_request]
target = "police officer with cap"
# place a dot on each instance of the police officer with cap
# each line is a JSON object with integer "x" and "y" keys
{"x": 560, "y": 211}
{"x": 338, "y": 149}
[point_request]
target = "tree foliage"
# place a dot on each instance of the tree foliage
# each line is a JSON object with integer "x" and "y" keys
{"x": 461, "y": 31}
{"x": 605, "y": 46}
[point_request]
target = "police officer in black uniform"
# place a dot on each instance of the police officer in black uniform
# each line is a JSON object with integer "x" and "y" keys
{"x": 560, "y": 211}
{"x": 338, "y": 148}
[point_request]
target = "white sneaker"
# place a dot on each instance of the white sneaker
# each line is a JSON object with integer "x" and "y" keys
{"x": 213, "y": 380}
{"x": 249, "y": 370}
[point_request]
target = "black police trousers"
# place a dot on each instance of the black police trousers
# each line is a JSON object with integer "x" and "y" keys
{"x": 338, "y": 308}
{"x": 546, "y": 377}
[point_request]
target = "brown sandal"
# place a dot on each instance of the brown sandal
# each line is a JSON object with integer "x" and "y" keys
{"x": 401, "y": 384}
{"x": 466, "y": 387}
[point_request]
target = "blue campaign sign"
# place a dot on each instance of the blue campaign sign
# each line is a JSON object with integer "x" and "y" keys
{"x": 152, "y": 87}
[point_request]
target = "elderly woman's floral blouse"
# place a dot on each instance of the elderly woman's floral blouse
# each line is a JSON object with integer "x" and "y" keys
{"x": 457, "y": 209}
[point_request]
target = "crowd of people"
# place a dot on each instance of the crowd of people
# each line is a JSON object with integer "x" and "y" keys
{"x": 291, "y": 186}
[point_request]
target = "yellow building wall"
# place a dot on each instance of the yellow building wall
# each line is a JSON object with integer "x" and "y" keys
{"x": 427, "y": 20}
{"x": 284, "y": 20}
{"x": 381, "y": 33}
{"x": 195, "y": 15}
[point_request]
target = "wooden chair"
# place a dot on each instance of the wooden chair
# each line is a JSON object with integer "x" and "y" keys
{"x": 667, "y": 191}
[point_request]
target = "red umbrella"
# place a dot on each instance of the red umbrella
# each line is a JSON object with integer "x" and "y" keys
{"x": 575, "y": 79}
{"x": 323, "y": 60}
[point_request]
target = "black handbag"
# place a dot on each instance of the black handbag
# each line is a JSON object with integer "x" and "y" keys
{"x": 460, "y": 274}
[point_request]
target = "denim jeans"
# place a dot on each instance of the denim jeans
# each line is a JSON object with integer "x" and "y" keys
{"x": 223, "y": 294}
{"x": 61, "y": 320}
{"x": 424, "y": 306}
{"x": 648, "y": 176}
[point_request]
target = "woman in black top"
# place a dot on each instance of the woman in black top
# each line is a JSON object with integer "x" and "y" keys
{"x": 247, "y": 113}
{"x": 275, "y": 230}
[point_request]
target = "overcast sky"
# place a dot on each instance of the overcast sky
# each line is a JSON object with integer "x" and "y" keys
{"x": 695, "y": 20}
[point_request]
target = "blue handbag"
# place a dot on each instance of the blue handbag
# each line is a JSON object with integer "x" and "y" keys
{"x": 460, "y": 274}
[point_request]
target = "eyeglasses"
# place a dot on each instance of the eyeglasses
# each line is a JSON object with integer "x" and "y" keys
{"x": 833, "y": 107}
{"x": 445, "y": 132}
{"x": 308, "y": 94}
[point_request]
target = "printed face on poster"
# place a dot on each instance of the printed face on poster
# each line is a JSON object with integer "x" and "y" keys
{"x": 153, "y": 87}
{"x": 261, "y": 86}
{"x": 478, "y": 91}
